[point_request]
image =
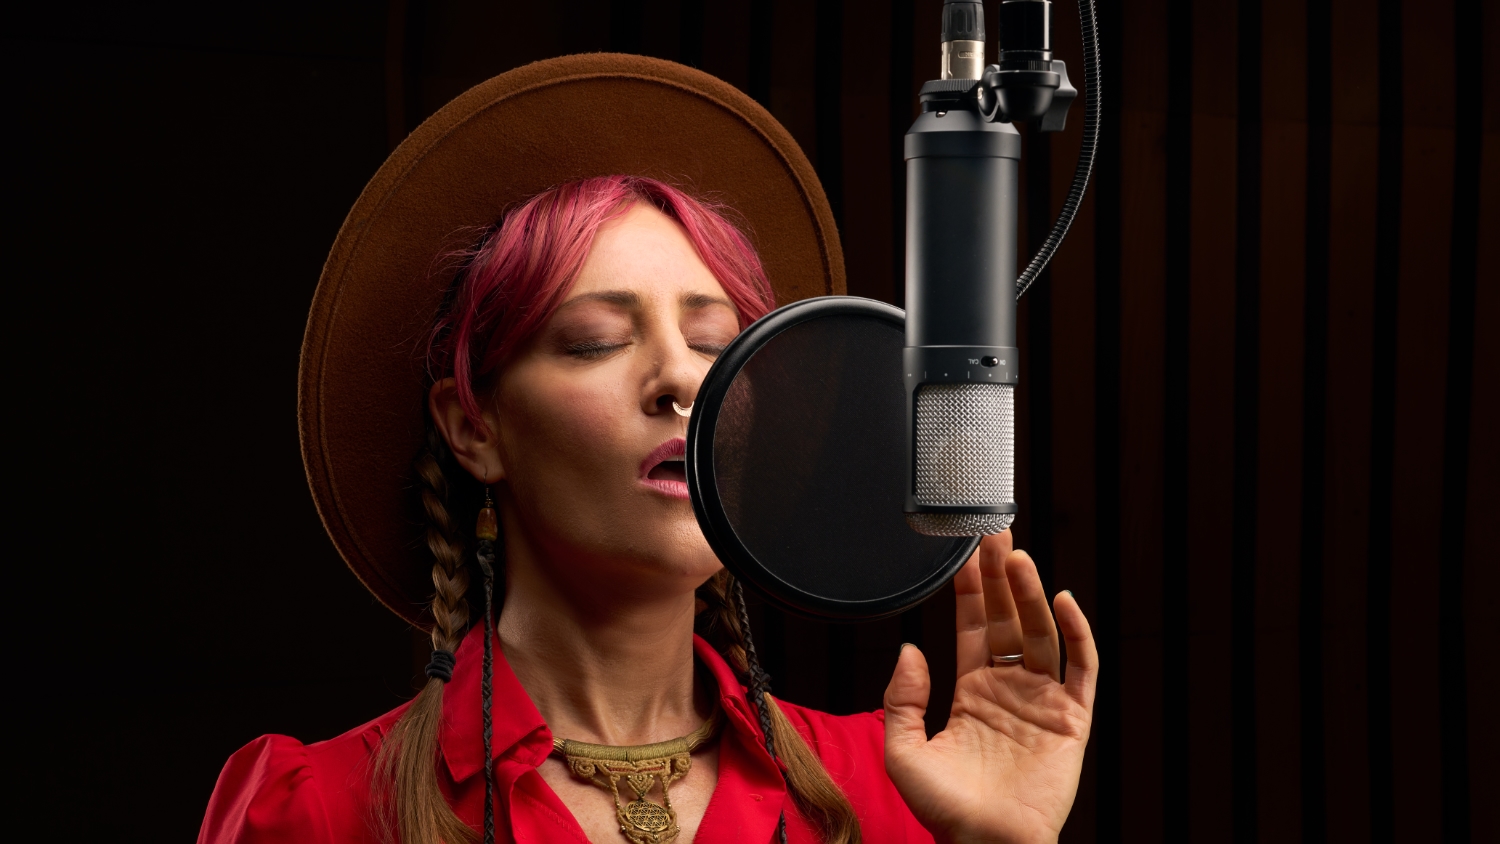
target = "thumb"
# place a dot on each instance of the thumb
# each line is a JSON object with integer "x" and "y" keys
{"x": 906, "y": 701}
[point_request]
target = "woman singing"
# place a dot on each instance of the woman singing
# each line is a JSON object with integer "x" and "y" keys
{"x": 494, "y": 437}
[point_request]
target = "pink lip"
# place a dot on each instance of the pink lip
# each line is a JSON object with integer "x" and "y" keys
{"x": 674, "y": 447}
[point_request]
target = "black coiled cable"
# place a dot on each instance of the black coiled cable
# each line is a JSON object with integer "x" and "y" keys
{"x": 1089, "y": 23}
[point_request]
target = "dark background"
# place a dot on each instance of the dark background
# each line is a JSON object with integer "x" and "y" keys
{"x": 1253, "y": 419}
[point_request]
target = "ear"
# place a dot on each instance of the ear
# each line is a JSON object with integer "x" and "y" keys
{"x": 476, "y": 449}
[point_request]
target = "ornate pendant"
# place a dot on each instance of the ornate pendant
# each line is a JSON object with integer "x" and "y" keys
{"x": 641, "y": 820}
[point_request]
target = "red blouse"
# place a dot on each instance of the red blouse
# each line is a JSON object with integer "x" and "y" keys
{"x": 278, "y": 789}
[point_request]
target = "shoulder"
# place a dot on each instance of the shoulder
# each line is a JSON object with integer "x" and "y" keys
{"x": 278, "y": 789}
{"x": 852, "y": 750}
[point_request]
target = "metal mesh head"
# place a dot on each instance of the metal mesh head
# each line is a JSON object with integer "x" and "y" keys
{"x": 964, "y": 455}
{"x": 959, "y": 524}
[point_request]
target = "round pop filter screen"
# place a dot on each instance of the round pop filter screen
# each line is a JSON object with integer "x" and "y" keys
{"x": 794, "y": 463}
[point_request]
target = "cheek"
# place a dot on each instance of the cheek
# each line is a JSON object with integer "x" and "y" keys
{"x": 569, "y": 423}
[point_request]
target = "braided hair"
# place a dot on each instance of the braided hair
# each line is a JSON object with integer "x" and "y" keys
{"x": 404, "y": 764}
{"x": 725, "y": 624}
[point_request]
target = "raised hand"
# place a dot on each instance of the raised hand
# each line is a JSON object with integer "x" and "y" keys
{"x": 1006, "y": 766}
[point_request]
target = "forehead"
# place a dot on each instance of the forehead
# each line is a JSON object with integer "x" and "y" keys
{"x": 648, "y": 253}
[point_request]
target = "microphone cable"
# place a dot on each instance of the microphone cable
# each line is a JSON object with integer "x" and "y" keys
{"x": 1089, "y": 24}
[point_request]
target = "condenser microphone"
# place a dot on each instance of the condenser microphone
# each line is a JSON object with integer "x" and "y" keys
{"x": 832, "y": 426}
{"x": 961, "y": 361}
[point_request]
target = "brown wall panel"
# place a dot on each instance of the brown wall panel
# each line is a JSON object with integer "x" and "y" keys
{"x": 805, "y": 676}
{"x": 1421, "y": 357}
{"x": 1143, "y": 201}
{"x": 453, "y": 45}
{"x": 1481, "y": 575}
{"x": 726, "y": 41}
{"x": 1351, "y": 266}
{"x": 1282, "y": 331}
{"x": 659, "y": 28}
{"x": 793, "y": 66}
{"x": 1211, "y": 417}
{"x": 866, "y": 225}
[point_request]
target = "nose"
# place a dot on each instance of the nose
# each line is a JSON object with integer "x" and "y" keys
{"x": 677, "y": 402}
{"x": 678, "y": 375}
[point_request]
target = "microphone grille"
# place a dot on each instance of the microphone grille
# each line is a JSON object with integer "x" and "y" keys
{"x": 965, "y": 452}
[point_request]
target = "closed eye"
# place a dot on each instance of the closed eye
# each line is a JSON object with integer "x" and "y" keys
{"x": 592, "y": 349}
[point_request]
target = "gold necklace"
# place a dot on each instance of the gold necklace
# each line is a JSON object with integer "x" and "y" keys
{"x": 642, "y": 767}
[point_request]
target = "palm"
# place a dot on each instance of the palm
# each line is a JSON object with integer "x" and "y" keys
{"x": 1006, "y": 766}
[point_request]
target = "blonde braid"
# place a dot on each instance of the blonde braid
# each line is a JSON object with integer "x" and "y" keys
{"x": 450, "y": 577}
{"x": 817, "y": 797}
{"x": 406, "y": 764}
{"x": 719, "y": 622}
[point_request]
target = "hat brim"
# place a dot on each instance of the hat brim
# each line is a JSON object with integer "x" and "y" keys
{"x": 361, "y": 402}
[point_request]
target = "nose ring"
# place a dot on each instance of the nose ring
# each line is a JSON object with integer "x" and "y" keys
{"x": 683, "y": 411}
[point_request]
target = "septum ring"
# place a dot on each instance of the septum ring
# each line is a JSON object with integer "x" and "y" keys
{"x": 683, "y": 411}
{"x": 1008, "y": 659}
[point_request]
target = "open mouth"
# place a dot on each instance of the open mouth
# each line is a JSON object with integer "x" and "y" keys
{"x": 671, "y": 469}
{"x": 665, "y": 468}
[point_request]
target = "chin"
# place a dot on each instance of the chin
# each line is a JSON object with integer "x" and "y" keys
{"x": 652, "y": 546}
{"x": 684, "y": 550}
{"x": 653, "y": 537}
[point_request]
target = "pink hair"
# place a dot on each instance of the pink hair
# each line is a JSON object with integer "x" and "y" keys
{"x": 523, "y": 269}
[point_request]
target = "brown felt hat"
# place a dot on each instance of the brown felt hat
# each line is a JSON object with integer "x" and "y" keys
{"x": 361, "y": 398}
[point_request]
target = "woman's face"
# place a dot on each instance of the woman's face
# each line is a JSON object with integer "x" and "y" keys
{"x": 586, "y": 435}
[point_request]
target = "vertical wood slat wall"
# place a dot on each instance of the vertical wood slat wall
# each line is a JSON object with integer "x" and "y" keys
{"x": 1265, "y": 377}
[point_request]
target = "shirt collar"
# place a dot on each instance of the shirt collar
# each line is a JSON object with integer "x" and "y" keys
{"x": 518, "y": 730}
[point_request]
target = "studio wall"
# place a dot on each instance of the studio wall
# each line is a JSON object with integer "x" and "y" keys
{"x": 1258, "y": 381}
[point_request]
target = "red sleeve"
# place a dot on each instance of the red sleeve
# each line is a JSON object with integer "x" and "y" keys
{"x": 266, "y": 793}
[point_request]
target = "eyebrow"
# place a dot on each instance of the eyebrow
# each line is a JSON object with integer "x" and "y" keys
{"x": 623, "y": 298}
{"x": 630, "y": 299}
{"x": 695, "y": 301}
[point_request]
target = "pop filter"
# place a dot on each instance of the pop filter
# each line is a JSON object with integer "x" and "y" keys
{"x": 796, "y": 464}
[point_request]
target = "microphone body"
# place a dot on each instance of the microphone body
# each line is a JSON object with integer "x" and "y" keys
{"x": 962, "y": 166}
{"x": 960, "y": 359}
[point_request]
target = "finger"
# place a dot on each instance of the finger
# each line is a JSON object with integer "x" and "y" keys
{"x": 1003, "y": 625}
{"x": 1038, "y": 633}
{"x": 1083, "y": 655}
{"x": 906, "y": 701}
{"x": 969, "y": 620}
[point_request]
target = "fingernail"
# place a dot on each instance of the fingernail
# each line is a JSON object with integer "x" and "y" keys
{"x": 902, "y": 650}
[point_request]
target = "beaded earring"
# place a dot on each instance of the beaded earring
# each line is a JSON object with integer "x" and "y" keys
{"x": 486, "y": 527}
{"x": 487, "y": 530}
